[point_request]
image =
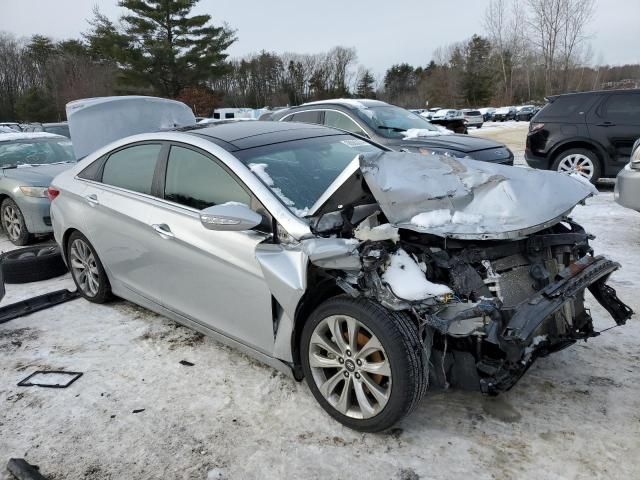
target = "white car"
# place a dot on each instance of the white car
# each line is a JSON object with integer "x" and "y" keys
{"x": 473, "y": 118}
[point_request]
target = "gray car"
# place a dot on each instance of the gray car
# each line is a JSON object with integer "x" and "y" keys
{"x": 627, "y": 189}
{"x": 370, "y": 273}
{"x": 28, "y": 163}
{"x": 397, "y": 128}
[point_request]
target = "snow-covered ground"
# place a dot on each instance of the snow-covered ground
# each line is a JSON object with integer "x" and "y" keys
{"x": 575, "y": 414}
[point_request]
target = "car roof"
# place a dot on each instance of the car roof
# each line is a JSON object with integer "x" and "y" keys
{"x": 353, "y": 103}
{"x": 6, "y": 137}
{"x": 241, "y": 135}
{"x": 596, "y": 92}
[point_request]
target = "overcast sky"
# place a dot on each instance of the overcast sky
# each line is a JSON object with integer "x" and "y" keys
{"x": 383, "y": 32}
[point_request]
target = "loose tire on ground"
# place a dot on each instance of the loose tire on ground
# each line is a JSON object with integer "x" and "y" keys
{"x": 402, "y": 347}
{"x": 82, "y": 257}
{"x": 32, "y": 264}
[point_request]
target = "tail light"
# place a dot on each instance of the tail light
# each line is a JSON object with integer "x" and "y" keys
{"x": 534, "y": 127}
{"x": 52, "y": 193}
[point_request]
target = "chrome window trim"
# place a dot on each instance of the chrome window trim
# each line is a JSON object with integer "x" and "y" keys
{"x": 295, "y": 226}
{"x": 364, "y": 132}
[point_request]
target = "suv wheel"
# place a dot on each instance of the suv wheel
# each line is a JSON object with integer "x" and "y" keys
{"x": 578, "y": 160}
{"x": 363, "y": 363}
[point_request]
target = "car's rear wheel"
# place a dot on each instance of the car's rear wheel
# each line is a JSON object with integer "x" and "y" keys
{"x": 580, "y": 161}
{"x": 363, "y": 363}
{"x": 14, "y": 224}
{"x": 87, "y": 270}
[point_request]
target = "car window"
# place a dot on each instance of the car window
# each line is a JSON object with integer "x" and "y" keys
{"x": 306, "y": 117}
{"x": 340, "y": 120}
{"x": 197, "y": 181}
{"x": 623, "y": 106}
{"x": 564, "y": 106}
{"x": 132, "y": 168}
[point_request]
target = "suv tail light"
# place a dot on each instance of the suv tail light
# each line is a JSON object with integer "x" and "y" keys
{"x": 534, "y": 127}
{"x": 52, "y": 193}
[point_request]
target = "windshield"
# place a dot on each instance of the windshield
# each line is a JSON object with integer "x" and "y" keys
{"x": 299, "y": 172}
{"x": 392, "y": 122}
{"x": 35, "y": 151}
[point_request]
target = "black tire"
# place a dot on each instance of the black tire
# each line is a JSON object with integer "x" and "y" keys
{"x": 32, "y": 264}
{"x": 24, "y": 236}
{"x": 103, "y": 293}
{"x": 597, "y": 168}
{"x": 399, "y": 338}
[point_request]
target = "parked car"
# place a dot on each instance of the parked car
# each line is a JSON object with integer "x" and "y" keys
{"x": 589, "y": 133}
{"x": 487, "y": 113}
{"x": 6, "y": 130}
{"x": 28, "y": 163}
{"x": 58, "y": 128}
{"x": 504, "y": 113}
{"x": 526, "y": 113}
{"x": 473, "y": 118}
{"x": 627, "y": 189}
{"x": 12, "y": 125}
{"x": 395, "y": 128}
{"x": 335, "y": 259}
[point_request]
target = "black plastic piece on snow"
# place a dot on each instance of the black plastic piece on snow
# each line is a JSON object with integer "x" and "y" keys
{"x": 34, "y": 304}
{"x": 23, "y": 470}
{"x": 73, "y": 377}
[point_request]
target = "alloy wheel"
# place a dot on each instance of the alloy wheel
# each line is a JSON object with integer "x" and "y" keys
{"x": 84, "y": 267}
{"x": 11, "y": 221}
{"x": 350, "y": 367}
{"x": 577, "y": 163}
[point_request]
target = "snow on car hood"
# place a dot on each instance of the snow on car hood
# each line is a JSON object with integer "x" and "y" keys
{"x": 468, "y": 199}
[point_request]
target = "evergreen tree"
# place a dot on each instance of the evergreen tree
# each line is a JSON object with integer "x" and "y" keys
{"x": 162, "y": 45}
{"x": 365, "y": 85}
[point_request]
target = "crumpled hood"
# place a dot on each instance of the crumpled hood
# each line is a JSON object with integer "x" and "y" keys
{"x": 467, "y": 199}
{"x": 40, "y": 175}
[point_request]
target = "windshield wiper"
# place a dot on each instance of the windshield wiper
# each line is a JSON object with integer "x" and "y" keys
{"x": 395, "y": 129}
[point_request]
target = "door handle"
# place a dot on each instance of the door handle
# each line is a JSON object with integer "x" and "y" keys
{"x": 606, "y": 124}
{"x": 92, "y": 199}
{"x": 163, "y": 229}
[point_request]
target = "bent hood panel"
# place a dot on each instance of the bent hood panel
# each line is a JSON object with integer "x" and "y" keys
{"x": 467, "y": 199}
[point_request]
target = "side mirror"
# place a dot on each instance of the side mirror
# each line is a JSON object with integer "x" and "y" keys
{"x": 230, "y": 216}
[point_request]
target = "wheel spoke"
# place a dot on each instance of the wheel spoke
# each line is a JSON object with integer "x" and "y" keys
{"x": 377, "y": 368}
{"x": 352, "y": 334}
{"x": 319, "y": 361}
{"x": 373, "y": 345}
{"x": 321, "y": 342}
{"x": 345, "y": 396}
{"x": 328, "y": 387}
{"x": 380, "y": 394}
{"x": 365, "y": 405}
{"x": 336, "y": 332}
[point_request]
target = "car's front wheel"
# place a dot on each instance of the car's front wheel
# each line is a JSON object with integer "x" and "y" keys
{"x": 579, "y": 161}
{"x": 363, "y": 363}
{"x": 14, "y": 224}
{"x": 87, "y": 270}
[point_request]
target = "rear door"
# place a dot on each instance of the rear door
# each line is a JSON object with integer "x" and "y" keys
{"x": 616, "y": 123}
{"x": 211, "y": 277}
{"x": 117, "y": 213}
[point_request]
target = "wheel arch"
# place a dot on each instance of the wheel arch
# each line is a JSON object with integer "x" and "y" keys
{"x": 584, "y": 143}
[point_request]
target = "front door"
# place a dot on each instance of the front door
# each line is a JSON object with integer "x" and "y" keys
{"x": 211, "y": 277}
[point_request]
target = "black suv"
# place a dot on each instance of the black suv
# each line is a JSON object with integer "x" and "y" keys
{"x": 395, "y": 128}
{"x": 589, "y": 133}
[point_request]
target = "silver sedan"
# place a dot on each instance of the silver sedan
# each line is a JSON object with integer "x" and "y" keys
{"x": 370, "y": 273}
{"x": 627, "y": 189}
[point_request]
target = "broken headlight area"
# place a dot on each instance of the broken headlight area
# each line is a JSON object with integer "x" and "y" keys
{"x": 486, "y": 309}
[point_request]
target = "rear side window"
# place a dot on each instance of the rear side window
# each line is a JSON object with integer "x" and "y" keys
{"x": 565, "y": 107}
{"x": 341, "y": 121}
{"x": 622, "y": 107}
{"x": 306, "y": 117}
{"x": 132, "y": 168}
{"x": 197, "y": 181}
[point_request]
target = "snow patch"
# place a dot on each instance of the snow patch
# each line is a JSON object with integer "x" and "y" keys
{"x": 423, "y": 132}
{"x": 377, "y": 233}
{"x": 6, "y": 137}
{"x": 435, "y": 218}
{"x": 408, "y": 281}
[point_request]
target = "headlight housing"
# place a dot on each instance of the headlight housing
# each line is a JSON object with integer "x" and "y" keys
{"x": 31, "y": 191}
{"x": 441, "y": 151}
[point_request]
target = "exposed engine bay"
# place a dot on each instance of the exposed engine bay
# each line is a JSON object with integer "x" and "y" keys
{"x": 487, "y": 302}
{"x": 488, "y": 308}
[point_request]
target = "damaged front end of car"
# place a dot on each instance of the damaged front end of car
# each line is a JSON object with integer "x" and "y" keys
{"x": 493, "y": 277}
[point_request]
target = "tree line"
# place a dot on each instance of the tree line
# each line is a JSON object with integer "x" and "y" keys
{"x": 525, "y": 52}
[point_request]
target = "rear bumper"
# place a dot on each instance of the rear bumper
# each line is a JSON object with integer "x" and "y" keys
{"x": 627, "y": 189}
{"x": 536, "y": 161}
